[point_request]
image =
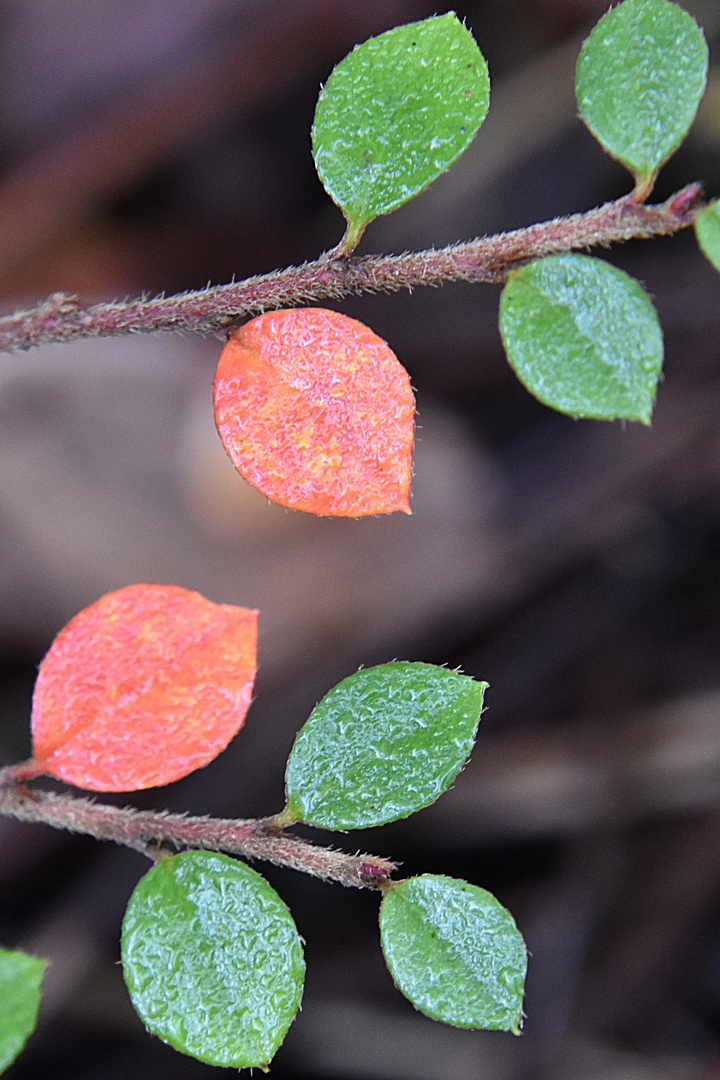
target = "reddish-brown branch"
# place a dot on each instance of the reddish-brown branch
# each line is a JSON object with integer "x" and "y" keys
{"x": 489, "y": 259}
{"x": 153, "y": 832}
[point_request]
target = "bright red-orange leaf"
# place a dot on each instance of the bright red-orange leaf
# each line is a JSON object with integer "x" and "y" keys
{"x": 317, "y": 412}
{"x": 142, "y": 687}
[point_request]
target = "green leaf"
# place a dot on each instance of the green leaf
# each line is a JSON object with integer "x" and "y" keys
{"x": 396, "y": 113}
{"x": 707, "y": 230}
{"x": 583, "y": 337}
{"x": 640, "y": 77}
{"x": 455, "y": 952}
{"x": 20, "y": 980}
{"x": 212, "y": 959}
{"x": 382, "y": 744}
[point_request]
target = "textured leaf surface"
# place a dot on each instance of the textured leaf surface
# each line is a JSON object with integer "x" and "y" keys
{"x": 20, "y": 980}
{"x": 640, "y": 77}
{"x": 455, "y": 952}
{"x": 583, "y": 337}
{"x": 707, "y": 230}
{"x": 315, "y": 410}
{"x": 382, "y": 744}
{"x": 396, "y": 113}
{"x": 142, "y": 687}
{"x": 212, "y": 959}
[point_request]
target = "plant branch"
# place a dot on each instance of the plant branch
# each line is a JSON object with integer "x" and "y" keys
{"x": 153, "y": 832}
{"x": 490, "y": 259}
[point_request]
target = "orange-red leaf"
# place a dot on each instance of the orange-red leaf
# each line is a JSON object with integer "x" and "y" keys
{"x": 142, "y": 687}
{"x": 316, "y": 411}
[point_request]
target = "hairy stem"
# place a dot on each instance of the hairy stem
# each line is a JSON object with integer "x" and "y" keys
{"x": 154, "y": 832}
{"x": 490, "y": 259}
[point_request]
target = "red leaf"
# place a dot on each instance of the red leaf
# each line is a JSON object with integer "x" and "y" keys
{"x": 142, "y": 687}
{"x": 316, "y": 411}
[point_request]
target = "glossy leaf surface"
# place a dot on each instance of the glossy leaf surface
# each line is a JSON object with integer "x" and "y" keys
{"x": 142, "y": 687}
{"x": 455, "y": 952}
{"x": 382, "y": 744}
{"x": 707, "y": 230}
{"x": 20, "y": 981}
{"x": 316, "y": 412}
{"x": 212, "y": 959}
{"x": 583, "y": 337}
{"x": 639, "y": 80}
{"x": 396, "y": 113}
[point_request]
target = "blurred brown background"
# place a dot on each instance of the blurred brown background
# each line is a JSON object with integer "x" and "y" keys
{"x": 150, "y": 145}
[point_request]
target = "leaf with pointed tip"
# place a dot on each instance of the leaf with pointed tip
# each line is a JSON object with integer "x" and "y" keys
{"x": 212, "y": 959}
{"x": 20, "y": 981}
{"x": 455, "y": 952}
{"x": 382, "y": 744}
{"x": 142, "y": 687}
{"x": 396, "y": 113}
{"x": 640, "y": 77}
{"x": 583, "y": 337}
{"x": 707, "y": 230}
{"x": 316, "y": 411}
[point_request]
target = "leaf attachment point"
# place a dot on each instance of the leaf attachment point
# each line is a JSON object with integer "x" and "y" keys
{"x": 212, "y": 959}
{"x": 455, "y": 952}
{"x": 382, "y": 744}
{"x": 20, "y": 981}
{"x": 395, "y": 114}
{"x": 142, "y": 687}
{"x": 640, "y": 77}
{"x": 316, "y": 411}
{"x": 583, "y": 337}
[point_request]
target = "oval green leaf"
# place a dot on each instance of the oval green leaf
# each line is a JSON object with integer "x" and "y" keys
{"x": 212, "y": 959}
{"x": 396, "y": 113}
{"x": 583, "y": 337}
{"x": 20, "y": 980}
{"x": 640, "y": 77}
{"x": 382, "y": 744}
{"x": 707, "y": 230}
{"x": 455, "y": 952}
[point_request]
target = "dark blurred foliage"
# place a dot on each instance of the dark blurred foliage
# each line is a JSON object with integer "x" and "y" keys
{"x": 158, "y": 145}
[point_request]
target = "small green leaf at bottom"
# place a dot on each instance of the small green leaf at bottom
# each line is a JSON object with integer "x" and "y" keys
{"x": 583, "y": 337}
{"x": 20, "y": 980}
{"x": 212, "y": 959}
{"x": 707, "y": 230}
{"x": 455, "y": 952}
